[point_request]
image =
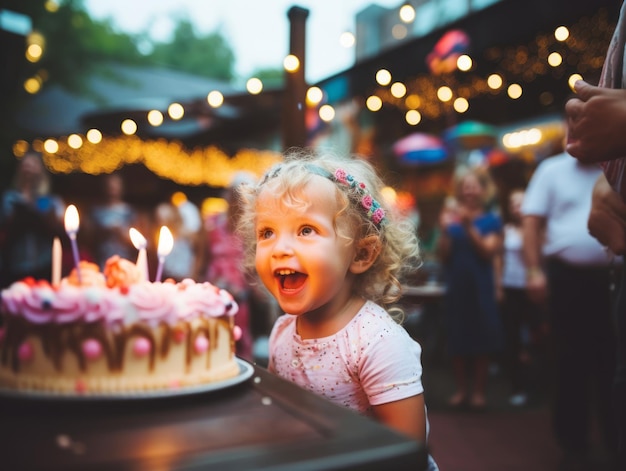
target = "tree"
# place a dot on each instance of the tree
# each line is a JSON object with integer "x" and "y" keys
{"x": 209, "y": 55}
{"x": 271, "y": 77}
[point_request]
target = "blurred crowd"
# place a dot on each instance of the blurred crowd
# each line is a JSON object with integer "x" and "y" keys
{"x": 529, "y": 293}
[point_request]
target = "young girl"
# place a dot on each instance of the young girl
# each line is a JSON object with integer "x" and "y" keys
{"x": 324, "y": 246}
{"x": 469, "y": 247}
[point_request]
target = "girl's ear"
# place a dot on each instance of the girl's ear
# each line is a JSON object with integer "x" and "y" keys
{"x": 366, "y": 253}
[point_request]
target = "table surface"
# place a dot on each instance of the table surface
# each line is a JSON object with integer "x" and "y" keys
{"x": 264, "y": 423}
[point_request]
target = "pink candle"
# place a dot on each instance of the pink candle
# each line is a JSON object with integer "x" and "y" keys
{"x": 56, "y": 261}
{"x": 140, "y": 243}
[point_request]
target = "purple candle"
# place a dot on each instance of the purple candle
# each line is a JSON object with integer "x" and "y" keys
{"x": 72, "y": 222}
{"x": 166, "y": 244}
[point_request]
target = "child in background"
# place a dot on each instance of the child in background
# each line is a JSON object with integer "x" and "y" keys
{"x": 516, "y": 307}
{"x": 322, "y": 244}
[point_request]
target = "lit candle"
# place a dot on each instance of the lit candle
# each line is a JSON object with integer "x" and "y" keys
{"x": 166, "y": 243}
{"x": 140, "y": 243}
{"x": 56, "y": 261}
{"x": 72, "y": 222}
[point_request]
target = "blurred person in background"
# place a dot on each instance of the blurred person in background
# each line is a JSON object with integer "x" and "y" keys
{"x": 225, "y": 259}
{"x": 468, "y": 246}
{"x": 30, "y": 217}
{"x": 186, "y": 260}
{"x": 568, "y": 271}
{"x": 522, "y": 319}
{"x": 111, "y": 221}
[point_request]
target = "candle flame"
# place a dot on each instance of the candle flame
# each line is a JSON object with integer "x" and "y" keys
{"x": 72, "y": 221}
{"x": 138, "y": 240}
{"x": 166, "y": 242}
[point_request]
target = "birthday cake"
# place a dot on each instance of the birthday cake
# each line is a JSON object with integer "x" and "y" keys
{"x": 110, "y": 332}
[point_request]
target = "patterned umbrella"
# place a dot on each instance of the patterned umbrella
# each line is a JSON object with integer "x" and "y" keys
{"x": 419, "y": 149}
{"x": 471, "y": 135}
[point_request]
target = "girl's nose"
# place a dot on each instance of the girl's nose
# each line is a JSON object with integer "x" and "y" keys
{"x": 283, "y": 246}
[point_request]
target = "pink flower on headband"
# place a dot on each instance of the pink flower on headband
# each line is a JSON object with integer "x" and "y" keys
{"x": 367, "y": 201}
{"x": 358, "y": 191}
{"x": 340, "y": 175}
{"x": 378, "y": 216}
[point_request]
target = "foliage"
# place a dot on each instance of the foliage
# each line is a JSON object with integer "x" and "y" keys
{"x": 271, "y": 77}
{"x": 208, "y": 56}
{"x": 76, "y": 46}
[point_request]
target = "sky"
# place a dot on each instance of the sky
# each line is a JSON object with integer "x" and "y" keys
{"x": 257, "y": 30}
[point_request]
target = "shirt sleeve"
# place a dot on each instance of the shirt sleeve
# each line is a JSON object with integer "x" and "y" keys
{"x": 391, "y": 369}
{"x": 536, "y": 197}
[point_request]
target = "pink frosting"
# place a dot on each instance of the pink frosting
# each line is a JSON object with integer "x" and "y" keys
{"x": 104, "y": 304}
{"x": 206, "y": 299}
{"x": 13, "y": 297}
{"x": 154, "y": 302}
{"x": 68, "y": 304}
{"x": 43, "y": 304}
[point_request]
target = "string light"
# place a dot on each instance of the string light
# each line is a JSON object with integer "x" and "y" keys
{"x": 583, "y": 44}
{"x": 166, "y": 159}
{"x": 215, "y": 99}
{"x": 374, "y": 103}
{"x": 176, "y": 111}
{"x": 413, "y": 117}
{"x": 155, "y": 118}
{"x": 383, "y": 77}
{"x": 347, "y": 39}
{"x": 327, "y": 113}
{"x": 94, "y": 136}
{"x": 254, "y": 86}
{"x": 291, "y": 63}
{"x": 314, "y": 96}
{"x": 407, "y": 13}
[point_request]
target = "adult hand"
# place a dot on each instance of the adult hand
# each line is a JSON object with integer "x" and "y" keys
{"x": 596, "y": 120}
{"x": 607, "y": 218}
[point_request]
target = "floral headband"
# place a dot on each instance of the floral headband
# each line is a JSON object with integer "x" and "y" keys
{"x": 357, "y": 191}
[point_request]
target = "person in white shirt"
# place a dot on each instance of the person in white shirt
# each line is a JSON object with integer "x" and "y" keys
{"x": 569, "y": 271}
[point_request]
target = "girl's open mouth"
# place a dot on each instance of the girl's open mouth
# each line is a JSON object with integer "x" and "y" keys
{"x": 290, "y": 279}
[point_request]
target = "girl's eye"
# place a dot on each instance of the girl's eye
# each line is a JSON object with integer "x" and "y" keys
{"x": 305, "y": 231}
{"x": 265, "y": 234}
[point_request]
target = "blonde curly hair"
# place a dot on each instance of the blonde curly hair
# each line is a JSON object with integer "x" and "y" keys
{"x": 399, "y": 254}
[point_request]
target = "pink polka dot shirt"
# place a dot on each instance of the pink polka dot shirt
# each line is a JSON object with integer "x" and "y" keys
{"x": 371, "y": 361}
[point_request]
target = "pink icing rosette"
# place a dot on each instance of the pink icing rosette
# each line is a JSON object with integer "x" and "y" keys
{"x": 13, "y": 297}
{"x": 103, "y": 304}
{"x": 205, "y": 298}
{"x": 43, "y": 304}
{"x": 154, "y": 302}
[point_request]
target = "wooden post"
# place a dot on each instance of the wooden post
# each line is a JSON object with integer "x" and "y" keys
{"x": 294, "y": 100}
